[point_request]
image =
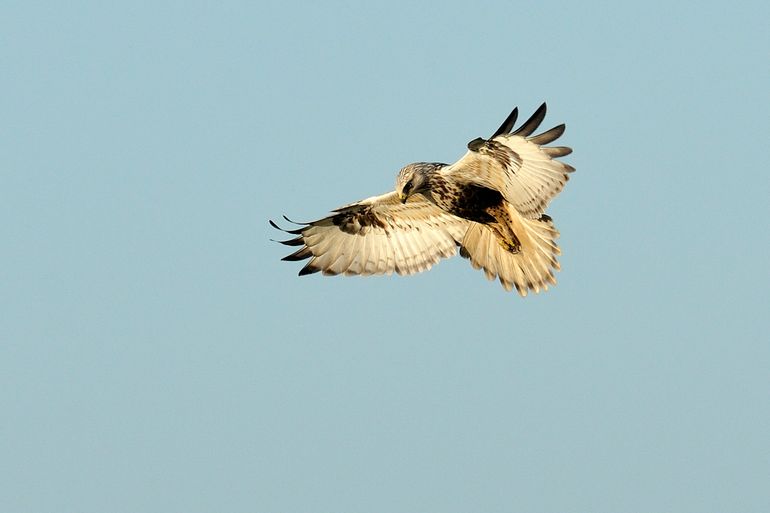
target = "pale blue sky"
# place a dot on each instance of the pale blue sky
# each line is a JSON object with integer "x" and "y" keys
{"x": 155, "y": 354}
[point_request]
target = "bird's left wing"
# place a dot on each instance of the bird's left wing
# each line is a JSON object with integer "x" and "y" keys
{"x": 378, "y": 235}
{"x": 517, "y": 163}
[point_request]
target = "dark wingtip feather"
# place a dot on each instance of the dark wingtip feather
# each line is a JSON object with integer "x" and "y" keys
{"x": 308, "y": 269}
{"x": 549, "y": 135}
{"x": 533, "y": 122}
{"x": 301, "y": 254}
{"x": 507, "y": 125}
{"x": 298, "y": 231}
{"x": 557, "y": 151}
{"x": 291, "y": 242}
{"x": 294, "y": 222}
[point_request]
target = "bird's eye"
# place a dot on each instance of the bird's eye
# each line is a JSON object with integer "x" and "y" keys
{"x": 408, "y": 187}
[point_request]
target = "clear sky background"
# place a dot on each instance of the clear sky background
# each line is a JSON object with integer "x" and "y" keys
{"x": 156, "y": 355}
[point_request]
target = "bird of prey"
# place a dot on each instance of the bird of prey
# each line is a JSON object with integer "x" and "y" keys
{"x": 491, "y": 204}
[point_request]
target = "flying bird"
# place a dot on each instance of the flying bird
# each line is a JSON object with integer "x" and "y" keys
{"x": 491, "y": 204}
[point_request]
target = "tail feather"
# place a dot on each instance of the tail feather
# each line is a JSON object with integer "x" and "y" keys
{"x": 531, "y": 269}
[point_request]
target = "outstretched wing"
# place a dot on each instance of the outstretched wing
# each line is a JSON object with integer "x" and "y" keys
{"x": 378, "y": 235}
{"x": 517, "y": 164}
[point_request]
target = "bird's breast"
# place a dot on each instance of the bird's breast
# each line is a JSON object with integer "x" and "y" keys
{"x": 467, "y": 200}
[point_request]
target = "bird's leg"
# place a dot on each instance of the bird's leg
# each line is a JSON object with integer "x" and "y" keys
{"x": 513, "y": 246}
{"x": 506, "y": 238}
{"x": 502, "y": 228}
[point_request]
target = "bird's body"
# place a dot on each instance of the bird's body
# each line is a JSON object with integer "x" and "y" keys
{"x": 490, "y": 203}
{"x": 461, "y": 195}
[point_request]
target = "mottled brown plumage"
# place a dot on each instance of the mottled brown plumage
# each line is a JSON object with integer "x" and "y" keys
{"x": 490, "y": 203}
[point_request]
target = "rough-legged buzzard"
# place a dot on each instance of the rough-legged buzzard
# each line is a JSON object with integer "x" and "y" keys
{"x": 490, "y": 203}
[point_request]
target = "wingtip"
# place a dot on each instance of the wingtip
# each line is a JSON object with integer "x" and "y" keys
{"x": 549, "y": 135}
{"x": 298, "y": 231}
{"x": 507, "y": 125}
{"x": 300, "y": 254}
{"x": 293, "y": 222}
{"x": 291, "y": 242}
{"x": 531, "y": 124}
{"x": 308, "y": 269}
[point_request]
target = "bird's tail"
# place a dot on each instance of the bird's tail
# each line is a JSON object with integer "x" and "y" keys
{"x": 531, "y": 268}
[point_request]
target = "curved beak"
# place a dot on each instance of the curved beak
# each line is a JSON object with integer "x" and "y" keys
{"x": 403, "y": 197}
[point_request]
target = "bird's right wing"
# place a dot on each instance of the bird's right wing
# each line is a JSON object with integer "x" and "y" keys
{"x": 518, "y": 164}
{"x": 378, "y": 235}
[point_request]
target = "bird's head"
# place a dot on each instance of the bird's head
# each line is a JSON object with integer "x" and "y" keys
{"x": 412, "y": 179}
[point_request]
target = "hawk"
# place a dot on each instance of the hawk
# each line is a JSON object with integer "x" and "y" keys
{"x": 491, "y": 204}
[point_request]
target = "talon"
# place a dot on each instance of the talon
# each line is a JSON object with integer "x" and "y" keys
{"x": 509, "y": 246}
